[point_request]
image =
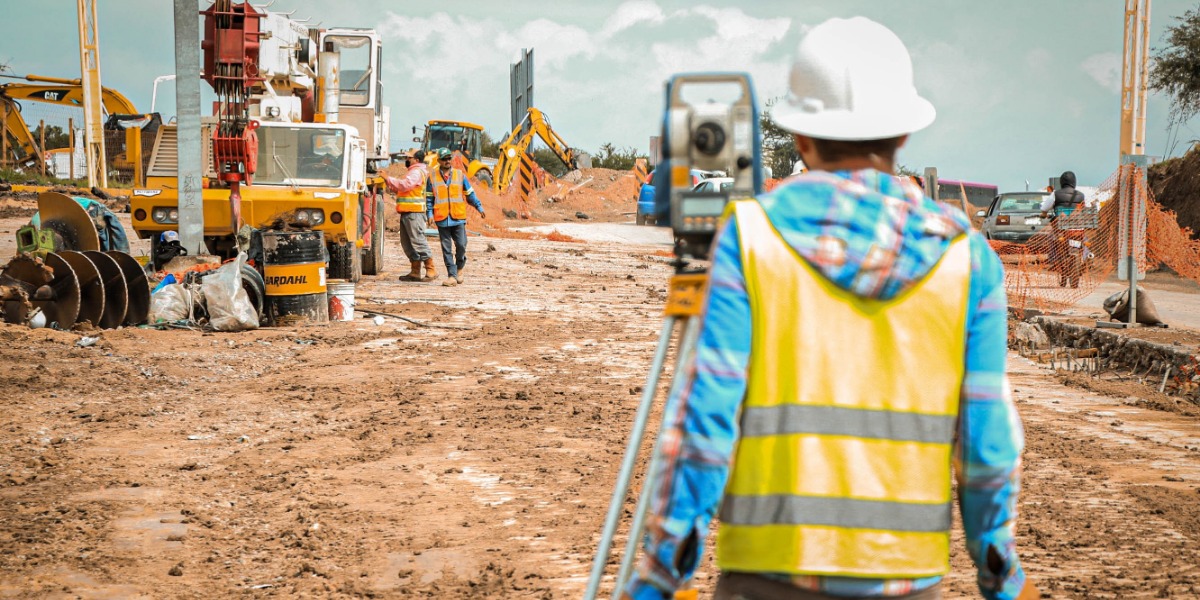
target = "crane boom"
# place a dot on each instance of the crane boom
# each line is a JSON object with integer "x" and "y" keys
{"x": 89, "y": 66}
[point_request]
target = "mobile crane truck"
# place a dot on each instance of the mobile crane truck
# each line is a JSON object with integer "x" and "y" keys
{"x": 298, "y": 122}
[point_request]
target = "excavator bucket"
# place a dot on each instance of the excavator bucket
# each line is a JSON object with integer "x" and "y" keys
{"x": 72, "y": 225}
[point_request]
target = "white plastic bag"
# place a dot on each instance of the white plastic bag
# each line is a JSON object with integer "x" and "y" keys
{"x": 170, "y": 304}
{"x": 229, "y": 307}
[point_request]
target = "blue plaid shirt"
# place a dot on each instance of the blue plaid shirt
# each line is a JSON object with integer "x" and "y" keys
{"x": 838, "y": 222}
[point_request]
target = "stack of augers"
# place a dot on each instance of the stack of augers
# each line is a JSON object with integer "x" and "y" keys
{"x": 61, "y": 278}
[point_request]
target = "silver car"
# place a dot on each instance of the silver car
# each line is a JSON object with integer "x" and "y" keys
{"x": 1013, "y": 216}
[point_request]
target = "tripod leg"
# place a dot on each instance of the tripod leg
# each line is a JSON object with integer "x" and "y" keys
{"x": 636, "y": 435}
{"x": 687, "y": 346}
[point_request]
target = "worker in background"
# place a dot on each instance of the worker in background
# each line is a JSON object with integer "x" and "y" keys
{"x": 852, "y": 348}
{"x": 1064, "y": 201}
{"x": 414, "y": 212}
{"x": 449, "y": 192}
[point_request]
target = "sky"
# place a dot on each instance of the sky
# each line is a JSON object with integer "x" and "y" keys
{"x": 1024, "y": 89}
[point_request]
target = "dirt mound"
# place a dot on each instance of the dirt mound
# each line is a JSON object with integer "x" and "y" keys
{"x": 1176, "y": 185}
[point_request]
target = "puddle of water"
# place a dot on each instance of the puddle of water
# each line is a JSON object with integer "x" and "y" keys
{"x": 379, "y": 343}
{"x": 428, "y": 566}
{"x": 148, "y": 534}
{"x": 75, "y": 584}
{"x": 486, "y": 483}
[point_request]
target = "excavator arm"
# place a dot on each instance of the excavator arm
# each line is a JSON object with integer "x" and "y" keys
{"x": 29, "y": 154}
{"x": 67, "y": 92}
{"x": 517, "y": 144}
{"x": 51, "y": 90}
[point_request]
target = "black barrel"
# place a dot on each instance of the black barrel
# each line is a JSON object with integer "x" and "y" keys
{"x": 294, "y": 273}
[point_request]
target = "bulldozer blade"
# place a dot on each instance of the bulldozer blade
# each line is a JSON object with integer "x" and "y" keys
{"x": 91, "y": 287}
{"x": 116, "y": 294}
{"x": 71, "y": 224}
{"x": 138, "y": 308}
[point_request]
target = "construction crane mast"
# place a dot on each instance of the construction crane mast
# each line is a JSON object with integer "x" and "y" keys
{"x": 1134, "y": 79}
{"x": 89, "y": 66}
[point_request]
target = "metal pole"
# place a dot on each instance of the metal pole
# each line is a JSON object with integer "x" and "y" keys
{"x": 187, "y": 110}
{"x": 3, "y": 135}
{"x": 691, "y": 332}
{"x": 42, "y": 147}
{"x": 1131, "y": 258}
{"x": 71, "y": 145}
{"x": 636, "y": 435}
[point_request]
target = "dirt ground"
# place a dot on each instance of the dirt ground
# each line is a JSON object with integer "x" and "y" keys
{"x": 359, "y": 460}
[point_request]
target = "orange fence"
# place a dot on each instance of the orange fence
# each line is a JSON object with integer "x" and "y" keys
{"x": 1069, "y": 257}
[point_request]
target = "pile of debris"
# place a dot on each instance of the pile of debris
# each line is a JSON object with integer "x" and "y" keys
{"x": 1176, "y": 185}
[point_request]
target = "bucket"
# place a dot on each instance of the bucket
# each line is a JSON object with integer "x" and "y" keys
{"x": 294, "y": 274}
{"x": 341, "y": 300}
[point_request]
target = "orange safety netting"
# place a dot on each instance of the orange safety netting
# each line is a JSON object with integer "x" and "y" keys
{"x": 1071, "y": 255}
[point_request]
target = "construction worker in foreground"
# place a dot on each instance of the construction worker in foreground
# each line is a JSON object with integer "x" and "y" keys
{"x": 449, "y": 192}
{"x": 852, "y": 349}
{"x": 414, "y": 214}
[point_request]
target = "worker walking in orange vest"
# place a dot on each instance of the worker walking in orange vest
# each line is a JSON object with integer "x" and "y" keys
{"x": 413, "y": 208}
{"x": 449, "y": 192}
{"x": 850, "y": 362}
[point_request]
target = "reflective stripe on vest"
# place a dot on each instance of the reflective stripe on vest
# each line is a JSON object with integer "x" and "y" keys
{"x": 448, "y": 198}
{"x": 414, "y": 200}
{"x": 843, "y": 464}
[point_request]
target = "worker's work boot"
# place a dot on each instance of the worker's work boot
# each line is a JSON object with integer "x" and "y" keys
{"x": 415, "y": 273}
{"x": 450, "y": 282}
{"x": 430, "y": 270}
{"x": 458, "y": 276}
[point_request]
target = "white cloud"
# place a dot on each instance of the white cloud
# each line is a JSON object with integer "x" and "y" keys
{"x": 629, "y": 14}
{"x": 1104, "y": 69}
{"x": 596, "y": 90}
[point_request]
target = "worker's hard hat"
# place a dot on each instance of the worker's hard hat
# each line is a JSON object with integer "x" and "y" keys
{"x": 852, "y": 80}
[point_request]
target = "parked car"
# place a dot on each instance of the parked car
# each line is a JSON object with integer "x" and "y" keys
{"x": 645, "y": 204}
{"x": 714, "y": 184}
{"x": 1013, "y": 216}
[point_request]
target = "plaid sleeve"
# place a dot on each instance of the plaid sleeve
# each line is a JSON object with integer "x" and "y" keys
{"x": 990, "y": 438}
{"x": 698, "y": 445}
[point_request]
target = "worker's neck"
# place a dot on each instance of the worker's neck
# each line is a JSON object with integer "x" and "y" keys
{"x": 856, "y": 163}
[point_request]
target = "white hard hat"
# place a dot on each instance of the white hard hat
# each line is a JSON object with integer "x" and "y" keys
{"x": 853, "y": 80}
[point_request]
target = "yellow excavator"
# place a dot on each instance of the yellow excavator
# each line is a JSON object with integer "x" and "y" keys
{"x": 458, "y": 136}
{"x": 518, "y": 141}
{"x": 64, "y": 92}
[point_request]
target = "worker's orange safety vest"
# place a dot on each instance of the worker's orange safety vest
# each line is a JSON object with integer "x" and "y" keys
{"x": 843, "y": 464}
{"x": 448, "y": 198}
{"x": 414, "y": 200}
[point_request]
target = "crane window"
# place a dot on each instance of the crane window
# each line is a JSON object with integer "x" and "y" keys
{"x": 356, "y": 74}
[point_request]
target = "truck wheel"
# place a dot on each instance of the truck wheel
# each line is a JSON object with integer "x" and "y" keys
{"x": 372, "y": 258}
{"x": 345, "y": 262}
{"x": 255, "y": 288}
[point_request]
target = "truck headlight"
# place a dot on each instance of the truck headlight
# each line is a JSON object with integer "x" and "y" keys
{"x": 310, "y": 216}
{"x": 165, "y": 214}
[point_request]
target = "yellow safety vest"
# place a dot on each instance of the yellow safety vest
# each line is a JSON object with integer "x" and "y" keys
{"x": 414, "y": 200}
{"x": 448, "y": 198}
{"x": 842, "y": 467}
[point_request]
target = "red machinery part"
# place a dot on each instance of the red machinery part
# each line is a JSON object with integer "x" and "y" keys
{"x": 231, "y": 44}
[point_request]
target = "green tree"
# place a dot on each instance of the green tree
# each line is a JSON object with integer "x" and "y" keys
{"x": 778, "y": 145}
{"x": 609, "y": 157}
{"x": 1176, "y": 67}
{"x": 56, "y": 137}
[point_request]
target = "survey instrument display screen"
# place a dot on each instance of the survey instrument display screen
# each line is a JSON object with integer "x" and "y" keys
{"x": 702, "y": 206}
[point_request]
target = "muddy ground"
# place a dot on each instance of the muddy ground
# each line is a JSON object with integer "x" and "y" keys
{"x": 396, "y": 460}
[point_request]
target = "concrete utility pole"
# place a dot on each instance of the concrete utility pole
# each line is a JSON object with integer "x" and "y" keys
{"x": 1134, "y": 78}
{"x": 187, "y": 118}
